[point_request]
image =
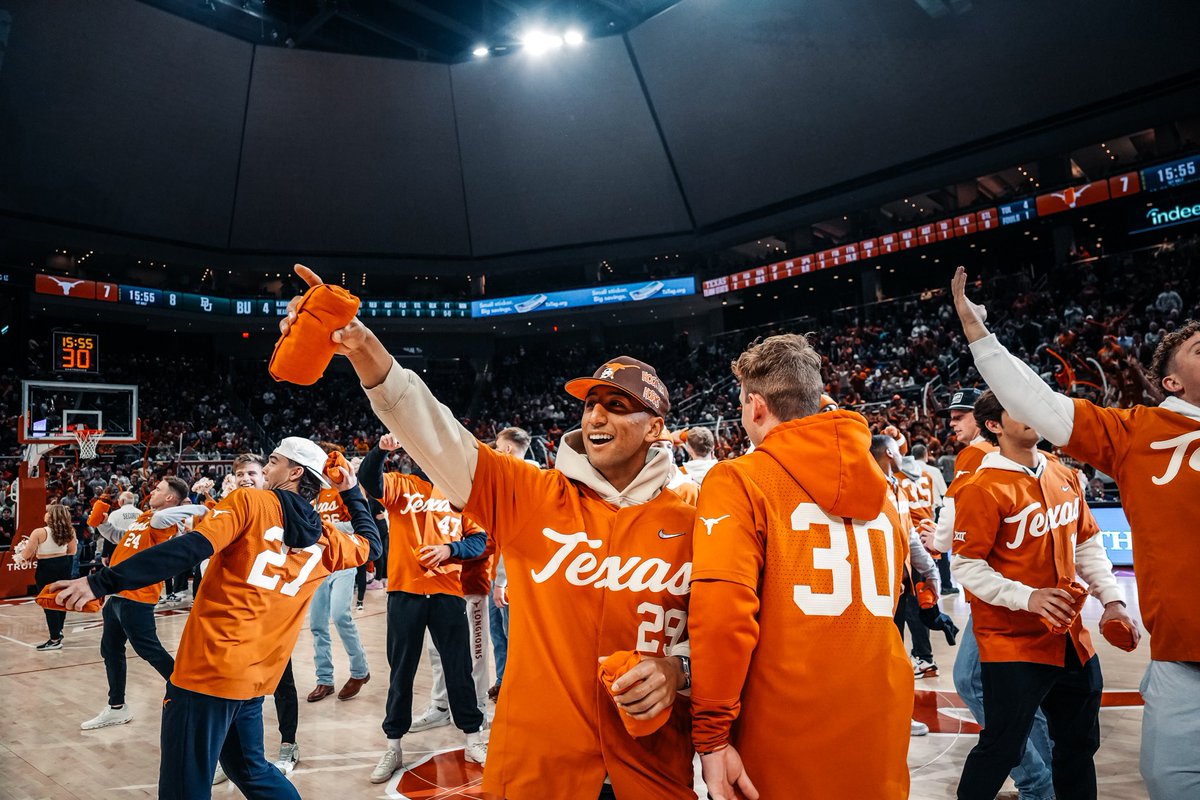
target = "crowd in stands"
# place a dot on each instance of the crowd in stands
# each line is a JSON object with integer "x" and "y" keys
{"x": 1087, "y": 326}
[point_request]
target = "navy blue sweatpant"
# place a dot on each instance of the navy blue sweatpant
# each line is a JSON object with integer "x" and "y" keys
{"x": 196, "y": 729}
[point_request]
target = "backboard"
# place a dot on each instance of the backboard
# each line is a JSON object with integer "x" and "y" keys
{"x": 51, "y": 410}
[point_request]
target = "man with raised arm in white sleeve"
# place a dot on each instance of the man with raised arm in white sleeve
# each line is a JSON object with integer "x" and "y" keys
{"x": 1154, "y": 455}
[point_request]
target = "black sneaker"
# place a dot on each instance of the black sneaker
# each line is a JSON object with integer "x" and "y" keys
{"x": 50, "y": 644}
{"x": 947, "y": 590}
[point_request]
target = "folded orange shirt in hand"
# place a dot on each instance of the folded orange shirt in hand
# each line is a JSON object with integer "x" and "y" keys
{"x": 1120, "y": 633}
{"x": 1079, "y": 596}
{"x": 925, "y": 596}
{"x": 99, "y": 510}
{"x": 336, "y": 467}
{"x": 614, "y": 667}
{"x": 302, "y": 354}
{"x": 46, "y": 600}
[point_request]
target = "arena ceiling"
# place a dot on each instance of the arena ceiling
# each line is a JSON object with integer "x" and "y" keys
{"x": 444, "y": 31}
{"x": 708, "y": 124}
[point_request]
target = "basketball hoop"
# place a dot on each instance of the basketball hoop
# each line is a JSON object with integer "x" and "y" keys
{"x": 86, "y": 439}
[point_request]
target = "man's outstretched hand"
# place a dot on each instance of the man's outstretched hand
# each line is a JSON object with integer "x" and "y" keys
{"x": 356, "y": 341}
{"x": 972, "y": 315}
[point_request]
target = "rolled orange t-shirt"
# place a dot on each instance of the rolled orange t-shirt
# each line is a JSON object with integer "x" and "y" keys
{"x": 1079, "y": 596}
{"x": 99, "y": 510}
{"x": 302, "y": 354}
{"x": 1119, "y": 633}
{"x": 335, "y": 463}
{"x": 46, "y": 600}
{"x": 614, "y": 667}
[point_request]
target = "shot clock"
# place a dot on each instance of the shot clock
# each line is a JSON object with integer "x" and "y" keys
{"x": 76, "y": 353}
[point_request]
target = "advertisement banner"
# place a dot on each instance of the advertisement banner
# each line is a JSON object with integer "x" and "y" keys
{"x": 589, "y": 298}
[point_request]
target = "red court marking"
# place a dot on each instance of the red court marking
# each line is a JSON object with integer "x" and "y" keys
{"x": 1111, "y": 699}
{"x": 445, "y": 776}
{"x": 925, "y": 709}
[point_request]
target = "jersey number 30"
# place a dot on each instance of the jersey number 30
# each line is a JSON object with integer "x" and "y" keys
{"x": 809, "y": 518}
{"x": 258, "y": 573}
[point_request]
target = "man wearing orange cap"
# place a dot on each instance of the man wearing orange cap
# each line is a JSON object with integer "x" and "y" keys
{"x": 599, "y": 555}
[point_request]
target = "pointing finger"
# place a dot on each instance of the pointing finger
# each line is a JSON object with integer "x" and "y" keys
{"x": 308, "y": 276}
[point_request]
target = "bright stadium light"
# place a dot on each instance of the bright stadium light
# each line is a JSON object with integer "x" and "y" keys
{"x": 537, "y": 42}
{"x": 573, "y": 37}
{"x": 479, "y": 52}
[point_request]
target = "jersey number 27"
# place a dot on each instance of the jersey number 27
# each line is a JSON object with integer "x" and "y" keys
{"x": 258, "y": 573}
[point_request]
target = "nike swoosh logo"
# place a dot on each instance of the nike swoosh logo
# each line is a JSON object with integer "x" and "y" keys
{"x": 664, "y": 535}
{"x": 217, "y": 513}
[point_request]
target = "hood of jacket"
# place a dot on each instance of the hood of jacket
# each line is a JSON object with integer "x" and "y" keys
{"x": 697, "y": 468}
{"x": 994, "y": 460}
{"x": 829, "y": 455}
{"x": 572, "y": 461}
{"x": 301, "y": 522}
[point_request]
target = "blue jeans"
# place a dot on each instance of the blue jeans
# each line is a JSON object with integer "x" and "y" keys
{"x": 1032, "y": 776}
{"x": 196, "y": 728}
{"x": 333, "y": 596}
{"x": 498, "y": 623}
{"x": 1170, "y": 729}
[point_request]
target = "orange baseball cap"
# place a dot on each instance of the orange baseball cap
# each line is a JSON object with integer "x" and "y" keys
{"x": 635, "y": 378}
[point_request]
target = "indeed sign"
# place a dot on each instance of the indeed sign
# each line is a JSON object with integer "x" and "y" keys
{"x": 1178, "y": 215}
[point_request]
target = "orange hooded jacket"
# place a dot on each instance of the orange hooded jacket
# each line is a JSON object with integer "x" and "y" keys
{"x": 796, "y": 572}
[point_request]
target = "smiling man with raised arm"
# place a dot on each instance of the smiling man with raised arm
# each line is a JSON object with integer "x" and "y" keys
{"x": 599, "y": 556}
{"x": 1153, "y": 454}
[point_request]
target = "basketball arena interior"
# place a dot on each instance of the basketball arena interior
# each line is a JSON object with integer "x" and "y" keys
{"x": 335, "y": 268}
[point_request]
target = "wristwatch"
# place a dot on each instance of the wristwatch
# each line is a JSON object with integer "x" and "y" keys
{"x": 686, "y": 663}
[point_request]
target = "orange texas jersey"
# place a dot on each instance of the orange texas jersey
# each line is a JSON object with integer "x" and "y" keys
{"x": 141, "y": 536}
{"x": 331, "y": 508}
{"x": 254, "y": 596}
{"x": 590, "y": 579}
{"x": 419, "y": 514}
{"x": 799, "y": 554}
{"x": 966, "y": 462}
{"x": 1020, "y": 525}
{"x": 920, "y": 496}
{"x": 1152, "y": 454}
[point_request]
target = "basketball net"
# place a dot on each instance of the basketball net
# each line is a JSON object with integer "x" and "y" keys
{"x": 87, "y": 439}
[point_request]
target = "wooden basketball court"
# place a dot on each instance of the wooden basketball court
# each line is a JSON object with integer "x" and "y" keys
{"x": 44, "y": 754}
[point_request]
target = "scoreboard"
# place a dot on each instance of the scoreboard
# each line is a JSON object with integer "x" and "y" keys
{"x": 76, "y": 353}
{"x": 1174, "y": 173}
{"x": 210, "y": 305}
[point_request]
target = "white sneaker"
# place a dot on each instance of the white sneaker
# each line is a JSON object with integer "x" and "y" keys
{"x": 918, "y": 728}
{"x": 432, "y": 717}
{"x": 392, "y": 760}
{"x": 289, "y": 757}
{"x": 924, "y": 669}
{"x": 219, "y": 776}
{"x": 475, "y": 748}
{"x": 109, "y": 716}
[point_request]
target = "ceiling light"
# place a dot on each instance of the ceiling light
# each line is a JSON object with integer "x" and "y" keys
{"x": 573, "y": 37}
{"x": 479, "y": 52}
{"x": 537, "y": 42}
